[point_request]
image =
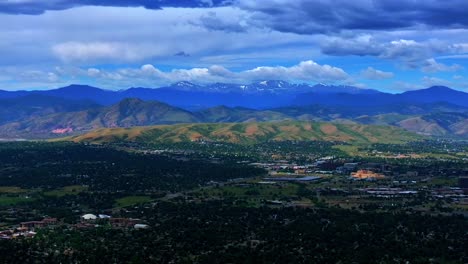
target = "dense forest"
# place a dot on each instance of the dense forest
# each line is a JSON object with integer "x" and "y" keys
{"x": 53, "y": 165}
{"x": 219, "y": 232}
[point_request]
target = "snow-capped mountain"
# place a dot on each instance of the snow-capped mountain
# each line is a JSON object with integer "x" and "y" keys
{"x": 269, "y": 87}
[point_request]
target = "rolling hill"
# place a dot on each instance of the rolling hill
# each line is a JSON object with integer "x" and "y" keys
{"x": 437, "y": 124}
{"x": 250, "y": 133}
{"x": 35, "y": 105}
{"x": 135, "y": 112}
{"x": 238, "y": 114}
{"x": 437, "y": 111}
{"x": 127, "y": 113}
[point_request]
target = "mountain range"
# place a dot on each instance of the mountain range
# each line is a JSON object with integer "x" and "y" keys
{"x": 260, "y": 95}
{"x": 75, "y": 109}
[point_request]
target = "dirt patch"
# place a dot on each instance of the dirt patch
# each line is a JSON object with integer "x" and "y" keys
{"x": 328, "y": 129}
{"x": 308, "y": 127}
{"x": 195, "y": 136}
{"x": 251, "y": 130}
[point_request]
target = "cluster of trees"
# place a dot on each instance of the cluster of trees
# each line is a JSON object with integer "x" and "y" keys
{"x": 107, "y": 173}
{"x": 439, "y": 146}
{"x": 219, "y": 232}
{"x": 263, "y": 151}
{"x": 105, "y": 169}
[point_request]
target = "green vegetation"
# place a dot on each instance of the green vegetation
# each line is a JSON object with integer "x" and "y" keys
{"x": 204, "y": 203}
{"x": 248, "y": 133}
{"x": 13, "y": 200}
{"x": 67, "y": 190}
{"x": 132, "y": 200}
{"x": 11, "y": 189}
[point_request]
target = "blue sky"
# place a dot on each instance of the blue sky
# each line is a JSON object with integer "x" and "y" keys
{"x": 390, "y": 45}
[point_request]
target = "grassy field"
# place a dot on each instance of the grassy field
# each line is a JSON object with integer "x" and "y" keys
{"x": 11, "y": 189}
{"x": 131, "y": 200}
{"x": 67, "y": 190}
{"x": 12, "y": 200}
{"x": 253, "y": 195}
{"x": 451, "y": 182}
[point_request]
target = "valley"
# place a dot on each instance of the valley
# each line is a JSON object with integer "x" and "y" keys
{"x": 154, "y": 195}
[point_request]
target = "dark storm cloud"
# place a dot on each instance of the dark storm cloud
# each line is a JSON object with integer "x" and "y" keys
{"x": 316, "y": 16}
{"x": 212, "y": 21}
{"x": 36, "y": 7}
{"x": 298, "y": 16}
{"x": 411, "y": 53}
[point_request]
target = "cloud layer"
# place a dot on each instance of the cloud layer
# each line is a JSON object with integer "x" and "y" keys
{"x": 363, "y": 42}
{"x": 305, "y": 71}
{"x": 150, "y": 76}
{"x": 37, "y": 7}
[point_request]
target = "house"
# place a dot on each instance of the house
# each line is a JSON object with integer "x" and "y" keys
{"x": 123, "y": 222}
{"x": 366, "y": 174}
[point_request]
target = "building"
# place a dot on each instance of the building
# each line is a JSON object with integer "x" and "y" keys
{"x": 89, "y": 217}
{"x": 103, "y": 216}
{"x": 32, "y": 225}
{"x": 123, "y": 222}
{"x": 366, "y": 174}
{"x": 347, "y": 167}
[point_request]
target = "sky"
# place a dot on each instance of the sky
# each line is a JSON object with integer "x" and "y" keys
{"x": 389, "y": 45}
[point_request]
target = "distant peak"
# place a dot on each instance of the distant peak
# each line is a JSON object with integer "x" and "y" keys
{"x": 78, "y": 86}
{"x": 436, "y": 88}
{"x": 131, "y": 101}
{"x": 439, "y": 87}
{"x": 278, "y": 83}
{"x": 184, "y": 84}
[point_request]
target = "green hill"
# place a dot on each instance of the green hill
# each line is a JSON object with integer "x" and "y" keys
{"x": 223, "y": 114}
{"x": 251, "y": 133}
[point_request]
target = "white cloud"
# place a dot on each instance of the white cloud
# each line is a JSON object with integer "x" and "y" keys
{"x": 409, "y": 52}
{"x": 305, "y": 70}
{"x": 37, "y": 76}
{"x": 432, "y": 66}
{"x": 150, "y": 76}
{"x": 374, "y": 74}
{"x": 433, "y": 81}
{"x": 52, "y": 77}
{"x": 94, "y": 35}
{"x": 361, "y": 45}
{"x": 460, "y": 47}
{"x": 93, "y": 72}
{"x": 95, "y": 51}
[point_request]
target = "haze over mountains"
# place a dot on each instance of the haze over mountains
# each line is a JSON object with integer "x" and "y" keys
{"x": 265, "y": 94}
{"x": 437, "y": 110}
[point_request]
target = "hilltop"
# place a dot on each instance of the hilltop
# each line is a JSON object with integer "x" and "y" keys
{"x": 250, "y": 133}
{"x": 127, "y": 113}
